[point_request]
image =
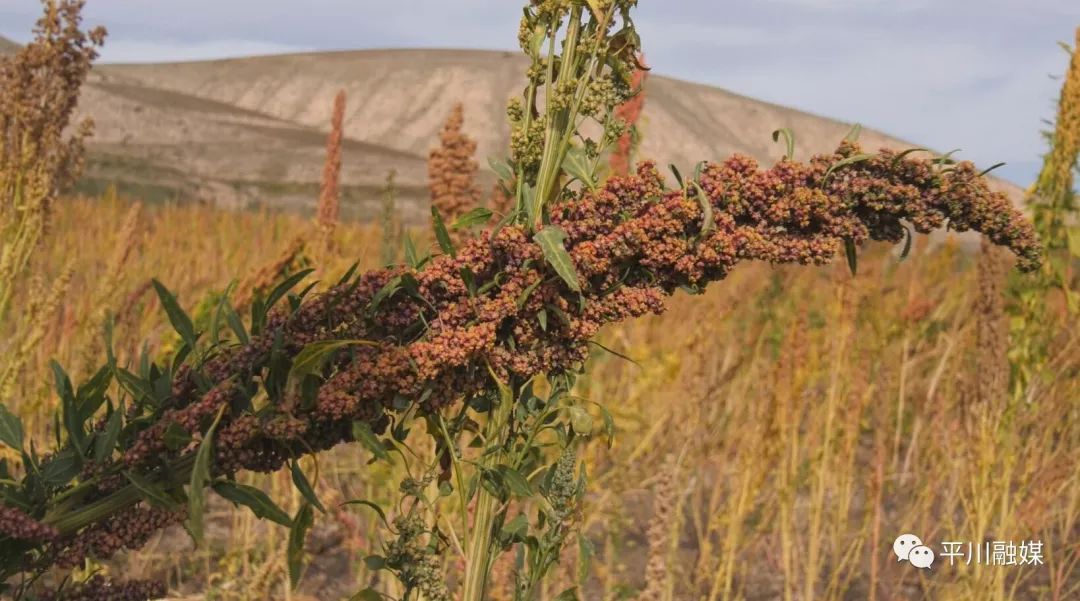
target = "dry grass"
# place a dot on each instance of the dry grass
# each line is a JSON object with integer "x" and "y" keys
{"x": 818, "y": 416}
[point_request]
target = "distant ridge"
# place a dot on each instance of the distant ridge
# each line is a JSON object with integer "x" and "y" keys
{"x": 7, "y": 46}
{"x": 251, "y": 130}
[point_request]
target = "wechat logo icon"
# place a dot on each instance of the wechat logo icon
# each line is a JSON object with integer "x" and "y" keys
{"x": 908, "y": 547}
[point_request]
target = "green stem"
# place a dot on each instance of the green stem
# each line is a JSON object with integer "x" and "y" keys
{"x": 478, "y": 554}
{"x": 67, "y": 522}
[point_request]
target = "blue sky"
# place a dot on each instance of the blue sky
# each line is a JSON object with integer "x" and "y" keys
{"x": 971, "y": 74}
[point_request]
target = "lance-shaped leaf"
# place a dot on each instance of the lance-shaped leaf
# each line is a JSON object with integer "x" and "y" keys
{"x": 441, "y": 235}
{"x": 851, "y": 160}
{"x": 152, "y": 492}
{"x": 552, "y": 242}
{"x": 254, "y": 499}
{"x": 310, "y": 360}
{"x": 177, "y": 317}
{"x": 577, "y": 165}
{"x": 303, "y": 485}
{"x": 477, "y": 216}
{"x": 11, "y": 429}
{"x": 305, "y": 517}
{"x": 501, "y": 168}
{"x": 200, "y": 477}
{"x": 789, "y": 141}
{"x": 852, "y": 258}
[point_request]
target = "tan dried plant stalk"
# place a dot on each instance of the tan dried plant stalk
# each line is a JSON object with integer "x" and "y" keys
{"x": 662, "y": 534}
{"x": 39, "y": 90}
{"x": 329, "y": 193}
{"x": 42, "y": 306}
{"x": 127, "y": 242}
{"x": 269, "y": 274}
{"x": 452, "y": 171}
{"x": 991, "y": 329}
{"x": 1053, "y": 195}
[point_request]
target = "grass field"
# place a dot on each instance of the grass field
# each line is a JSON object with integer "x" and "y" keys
{"x": 466, "y": 410}
{"x": 773, "y": 437}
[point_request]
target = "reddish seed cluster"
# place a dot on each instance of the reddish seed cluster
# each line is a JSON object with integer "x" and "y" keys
{"x": 99, "y": 588}
{"x": 452, "y": 171}
{"x": 129, "y": 529}
{"x": 19, "y": 526}
{"x": 633, "y": 243}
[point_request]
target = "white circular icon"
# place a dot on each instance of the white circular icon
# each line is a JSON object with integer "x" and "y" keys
{"x": 903, "y": 545}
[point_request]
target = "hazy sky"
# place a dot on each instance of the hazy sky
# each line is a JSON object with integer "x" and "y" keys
{"x": 970, "y": 74}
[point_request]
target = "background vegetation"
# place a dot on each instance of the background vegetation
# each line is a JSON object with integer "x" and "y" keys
{"x": 772, "y": 436}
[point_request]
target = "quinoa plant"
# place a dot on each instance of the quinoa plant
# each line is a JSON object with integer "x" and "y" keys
{"x": 478, "y": 344}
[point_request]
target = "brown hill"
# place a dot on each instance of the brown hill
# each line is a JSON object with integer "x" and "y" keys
{"x": 250, "y": 130}
{"x": 7, "y": 46}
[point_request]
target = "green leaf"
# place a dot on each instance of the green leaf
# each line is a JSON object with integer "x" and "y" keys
{"x": 586, "y": 551}
{"x": 90, "y": 396}
{"x": 310, "y": 360}
{"x": 303, "y": 485}
{"x": 69, "y": 408}
{"x": 477, "y": 216}
{"x": 907, "y": 243}
{"x": 368, "y": 594}
{"x": 371, "y": 504}
{"x": 176, "y": 437}
{"x": 501, "y": 169}
{"x": 581, "y": 421}
{"x": 551, "y": 240}
{"x": 946, "y": 159}
{"x": 61, "y": 469}
{"x": 219, "y": 313}
{"x": 388, "y": 289}
{"x": 441, "y": 235}
{"x": 152, "y": 492}
{"x": 707, "y": 222}
{"x": 411, "y": 258}
{"x": 853, "y": 134}
{"x": 569, "y": 594}
{"x": 106, "y": 440}
{"x": 375, "y": 562}
{"x": 698, "y": 169}
{"x": 235, "y": 323}
{"x": 991, "y": 168}
{"x": 852, "y": 259}
{"x": 305, "y": 517}
{"x": 284, "y": 287}
{"x": 678, "y": 176}
{"x": 517, "y": 483}
{"x": 524, "y": 296}
{"x": 179, "y": 320}
{"x": 364, "y": 435}
{"x": 200, "y": 477}
{"x": 578, "y": 166}
{"x": 789, "y": 141}
{"x": 899, "y": 157}
{"x": 609, "y": 424}
{"x": 254, "y": 499}
{"x": 11, "y": 429}
{"x": 851, "y": 160}
{"x": 528, "y": 197}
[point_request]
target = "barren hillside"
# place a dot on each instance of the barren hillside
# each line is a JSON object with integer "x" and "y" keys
{"x": 251, "y": 130}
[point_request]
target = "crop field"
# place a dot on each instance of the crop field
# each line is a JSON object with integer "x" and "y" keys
{"x": 598, "y": 381}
